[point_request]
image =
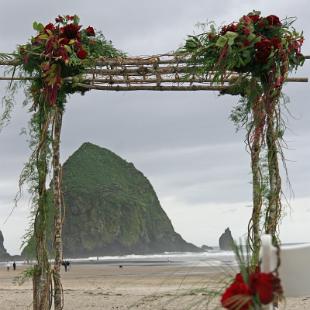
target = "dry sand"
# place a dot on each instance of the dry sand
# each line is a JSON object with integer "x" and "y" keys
{"x": 98, "y": 286}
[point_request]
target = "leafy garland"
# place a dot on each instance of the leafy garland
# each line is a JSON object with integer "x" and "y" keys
{"x": 60, "y": 50}
{"x": 55, "y": 59}
{"x": 262, "y": 50}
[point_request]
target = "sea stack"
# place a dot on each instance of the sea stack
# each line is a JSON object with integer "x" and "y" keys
{"x": 112, "y": 209}
{"x": 226, "y": 240}
{"x": 3, "y": 253}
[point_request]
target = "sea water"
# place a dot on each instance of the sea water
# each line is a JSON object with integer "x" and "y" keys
{"x": 210, "y": 258}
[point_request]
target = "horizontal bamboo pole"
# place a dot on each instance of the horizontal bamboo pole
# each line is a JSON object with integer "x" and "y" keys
{"x": 155, "y": 88}
{"x": 140, "y": 61}
{"x": 123, "y": 61}
{"x": 140, "y": 71}
{"x": 13, "y": 62}
{"x": 149, "y": 80}
{"x": 23, "y": 78}
{"x": 180, "y": 80}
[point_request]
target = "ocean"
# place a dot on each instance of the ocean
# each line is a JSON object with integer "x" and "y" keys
{"x": 210, "y": 258}
{"x": 214, "y": 258}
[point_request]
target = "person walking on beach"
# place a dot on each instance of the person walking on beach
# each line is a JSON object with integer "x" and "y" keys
{"x": 8, "y": 266}
{"x": 14, "y": 266}
{"x": 66, "y": 264}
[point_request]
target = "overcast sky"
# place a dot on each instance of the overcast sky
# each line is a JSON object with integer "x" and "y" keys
{"x": 183, "y": 142}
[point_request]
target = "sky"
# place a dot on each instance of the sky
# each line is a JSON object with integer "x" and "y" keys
{"x": 184, "y": 143}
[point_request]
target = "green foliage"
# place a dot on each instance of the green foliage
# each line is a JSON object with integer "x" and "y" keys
{"x": 111, "y": 208}
{"x": 24, "y": 276}
{"x": 56, "y": 52}
{"x": 59, "y": 51}
{"x": 262, "y": 50}
{"x": 253, "y": 45}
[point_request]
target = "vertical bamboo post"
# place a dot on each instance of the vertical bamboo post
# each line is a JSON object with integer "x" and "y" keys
{"x": 58, "y": 217}
{"x": 42, "y": 276}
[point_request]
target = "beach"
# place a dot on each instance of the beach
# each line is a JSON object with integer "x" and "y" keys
{"x": 132, "y": 286}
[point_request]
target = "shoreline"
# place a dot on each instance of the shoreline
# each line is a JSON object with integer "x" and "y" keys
{"x": 106, "y": 286}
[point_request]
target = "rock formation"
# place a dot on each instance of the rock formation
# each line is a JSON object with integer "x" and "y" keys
{"x": 112, "y": 209}
{"x": 3, "y": 253}
{"x": 206, "y": 247}
{"x": 226, "y": 240}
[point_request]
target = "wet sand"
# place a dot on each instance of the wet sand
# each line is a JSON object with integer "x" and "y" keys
{"x": 100, "y": 286}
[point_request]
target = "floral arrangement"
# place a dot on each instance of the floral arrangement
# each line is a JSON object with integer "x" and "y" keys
{"x": 250, "y": 288}
{"x": 251, "y": 291}
{"x": 59, "y": 50}
{"x": 262, "y": 46}
{"x": 262, "y": 51}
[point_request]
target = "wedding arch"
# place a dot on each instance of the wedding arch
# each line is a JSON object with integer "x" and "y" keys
{"x": 250, "y": 58}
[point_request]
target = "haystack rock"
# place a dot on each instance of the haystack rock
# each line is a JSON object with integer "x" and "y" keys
{"x": 112, "y": 209}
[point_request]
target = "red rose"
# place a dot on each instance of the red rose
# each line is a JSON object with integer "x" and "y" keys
{"x": 231, "y": 27}
{"x": 239, "y": 278}
{"x": 246, "y": 43}
{"x": 265, "y": 285}
{"x": 71, "y": 31}
{"x": 59, "y": 19}
{"x": 237, "y": 295}
{"x": 246, "y": 31}
{"x": 90, "y": 31}
{"x": 82, "y": 54}
{"x": 261, "y": 284}
{"x": 50, "y": 27}
{"x": 68, "y": 17}
{"x": 246, "y": 19}
{"x": 254, "y": 18}
{"x": 274, "y": 20}
{"x": 263, "y": 50}
{"x": 261, "y": 23}
{"x": 276, "y": 42}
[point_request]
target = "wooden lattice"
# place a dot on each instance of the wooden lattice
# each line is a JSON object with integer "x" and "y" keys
{"x": 167, "y": 72}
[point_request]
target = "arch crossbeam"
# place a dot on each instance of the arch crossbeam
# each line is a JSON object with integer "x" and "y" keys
{"x": 166, "y": 72}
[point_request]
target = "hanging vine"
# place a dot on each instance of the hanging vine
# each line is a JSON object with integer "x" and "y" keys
{"x": 58, "y": 50}
{"x": 262, "y": 50}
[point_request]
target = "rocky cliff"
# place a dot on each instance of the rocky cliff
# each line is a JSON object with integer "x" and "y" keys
{"x": 3, "y": 253}
{"x": 112, "y": 209}
{"x": 226, "y": 240}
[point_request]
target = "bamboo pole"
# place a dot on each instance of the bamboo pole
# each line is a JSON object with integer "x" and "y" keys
{"x": 140, "y": 61}
{"x": 126, "y": 61}
{"x": 179, "y": 80}
{"x": 10, "y": 62}
{"x": 182, "y": 79}
{"x": 58, "y": 206}
{"x": 154, "y": 88}
{"x": 140, "y": 71}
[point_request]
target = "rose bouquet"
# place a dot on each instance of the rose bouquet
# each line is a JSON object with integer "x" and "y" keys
{"x": 261, "y": 46}
{"x": 59, "y": 50}
{"x": 251, "y": 291}
{"x": 250, "y": 288}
